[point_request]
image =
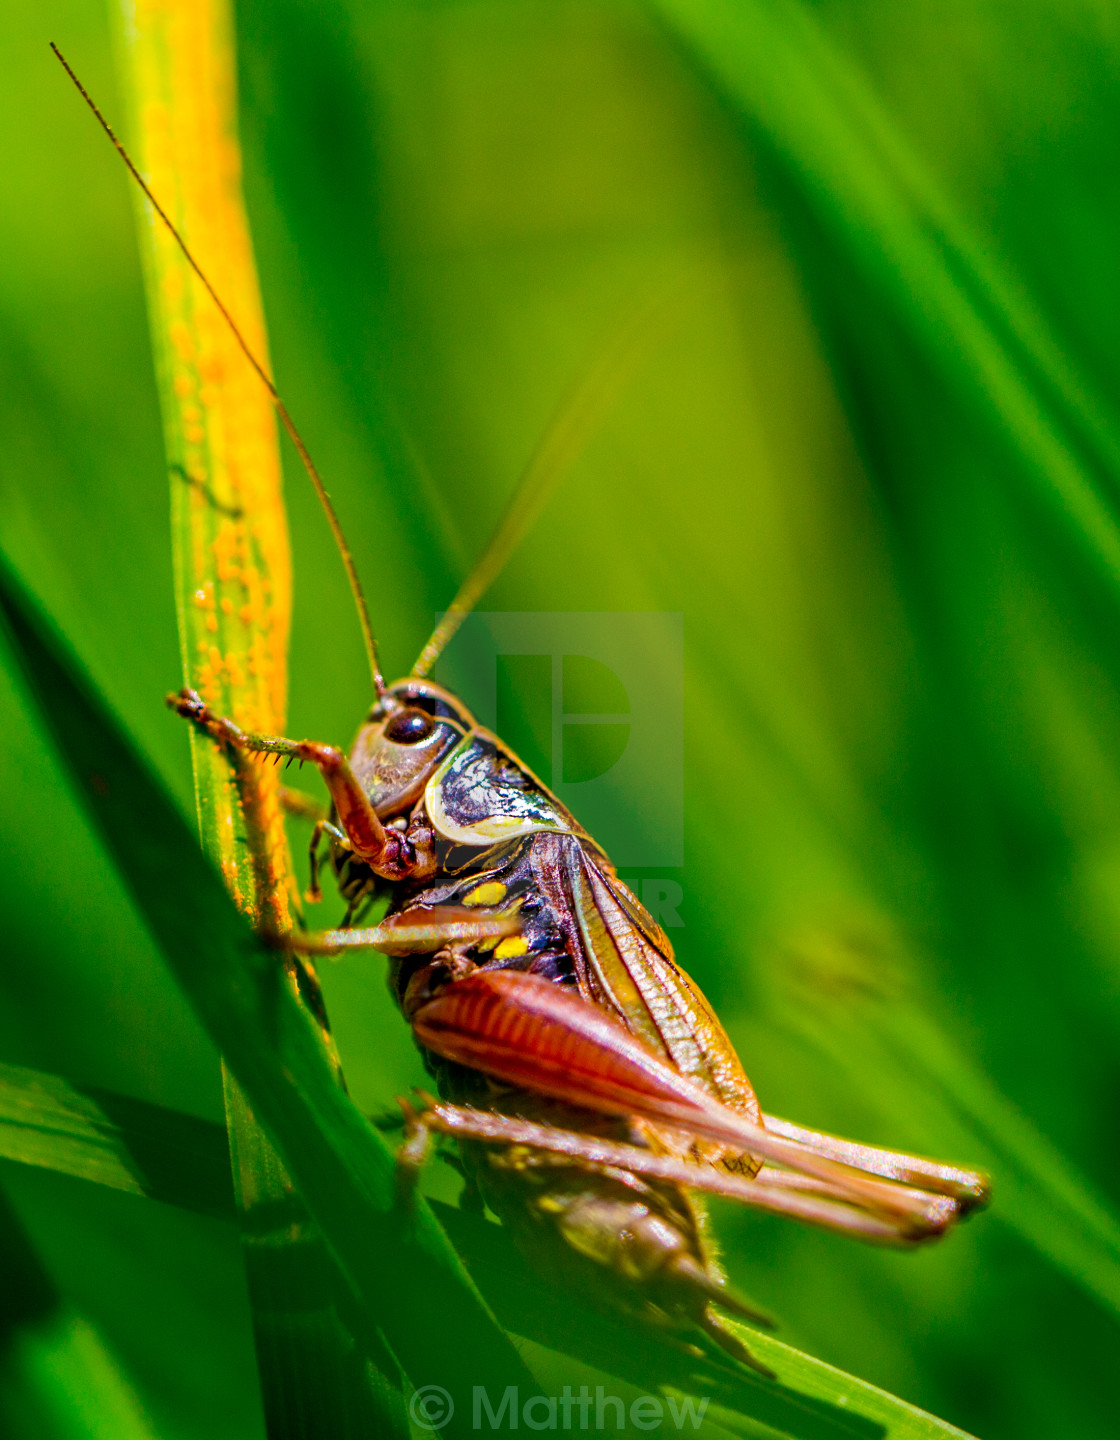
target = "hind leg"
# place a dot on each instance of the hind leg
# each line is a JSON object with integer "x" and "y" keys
{"x": 969, "y": 1188}
{"x": 540, "y": 1038}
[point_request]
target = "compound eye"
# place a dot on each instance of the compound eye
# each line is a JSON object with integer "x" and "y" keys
{"x": 409, "y": 727}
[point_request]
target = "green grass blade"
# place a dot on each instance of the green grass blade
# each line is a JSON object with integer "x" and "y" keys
{"x": 57, "y": 1379}
{"x": 813, "y": 1401}
{"x": 990, "y": 347}
{"x": 113, "y": 1140}
{"x": 777, "y": 65}
{"x": 325, "y": 1370}
{"x": 1042, "y": 1194}
{"x": 399, "y": 1262}
{"x": 1038, "y": 1192}
{"x": 230, "y": 543}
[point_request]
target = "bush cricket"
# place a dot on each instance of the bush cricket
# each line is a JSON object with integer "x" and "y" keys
{"x": 589, "y": 1084}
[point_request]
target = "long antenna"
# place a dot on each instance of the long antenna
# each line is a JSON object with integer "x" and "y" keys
{"x": 574, "y": 420}
{"x": 281, "y": 409}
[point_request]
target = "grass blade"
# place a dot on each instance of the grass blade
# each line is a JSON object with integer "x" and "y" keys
{"x": 812, "y": 1401}
{"x": 233, "y": 595}
{"x": 325, "y": 1369}
{"x": 888, "y": 219}
{"x": 398, "y": 1261}
{"x": 149, "y": 1150}
{"x": 1039, "y": 1192}
{"x": 113, "y": 1140}
{"x": 57, "y": 1379}
{"x": 776, "y": 64}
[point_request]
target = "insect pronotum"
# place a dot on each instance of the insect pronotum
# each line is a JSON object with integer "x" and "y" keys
{"x": 591, "y": 1088}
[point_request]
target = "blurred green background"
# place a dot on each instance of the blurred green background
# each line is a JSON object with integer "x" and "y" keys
{"x": 873, "y": 461}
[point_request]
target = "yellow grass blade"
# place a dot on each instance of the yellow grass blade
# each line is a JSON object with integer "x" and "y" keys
{"x": 233, "y": 597}
{"x": 232, "y": 563}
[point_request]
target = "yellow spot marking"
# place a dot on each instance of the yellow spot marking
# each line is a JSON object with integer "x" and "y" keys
{"x": 489, "y": 893}
{"x": 512, "y": 945}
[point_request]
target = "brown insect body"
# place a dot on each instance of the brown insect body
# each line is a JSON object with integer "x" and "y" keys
{"x": 588, "y": 1080}
{"x": 623, "y": 1239}
{"x": 585, "y": 1074}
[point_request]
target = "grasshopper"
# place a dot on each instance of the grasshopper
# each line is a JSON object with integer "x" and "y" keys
{"x": 592, "y": 1091}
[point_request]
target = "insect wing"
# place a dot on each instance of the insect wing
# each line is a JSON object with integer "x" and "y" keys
{"x": 624, "y": 963}
{"x": 482, "y": 795}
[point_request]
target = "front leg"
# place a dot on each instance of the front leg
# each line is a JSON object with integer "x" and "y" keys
{"x": 385, "y": 851}
{"x": 323, "y": 827}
